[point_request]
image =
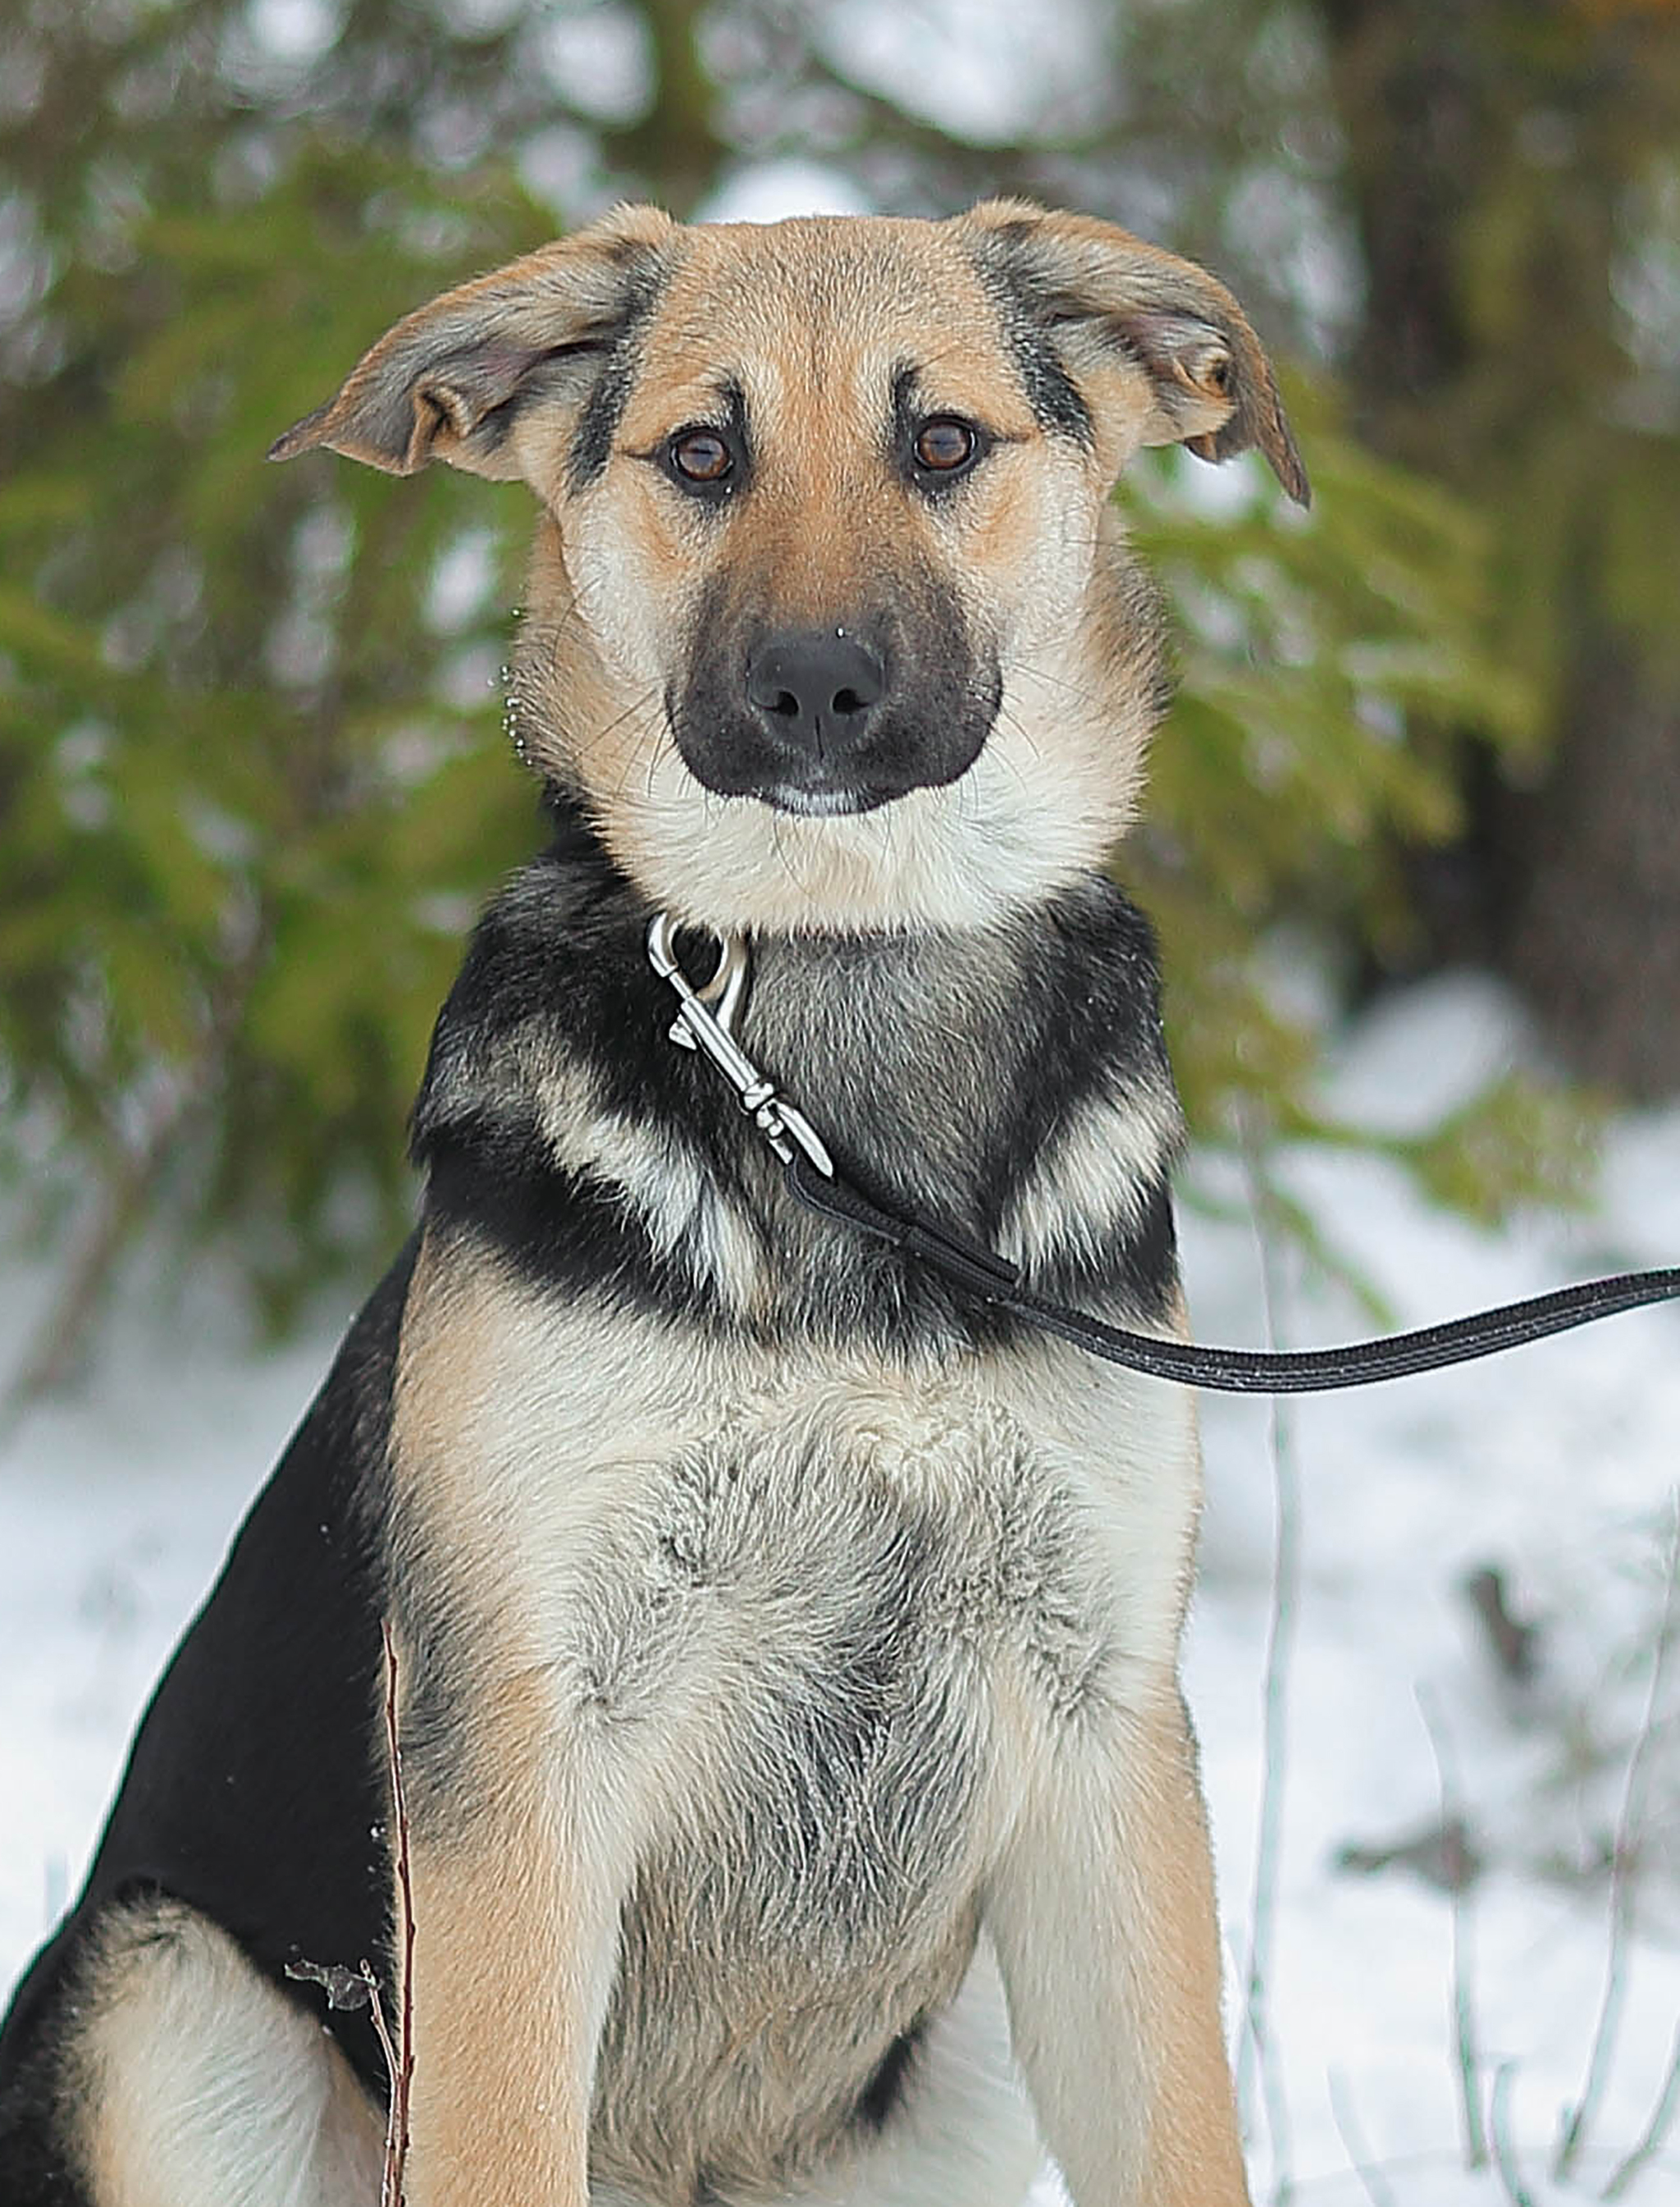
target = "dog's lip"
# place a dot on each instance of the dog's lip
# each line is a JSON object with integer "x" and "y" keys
{"x": 821, "y": 801}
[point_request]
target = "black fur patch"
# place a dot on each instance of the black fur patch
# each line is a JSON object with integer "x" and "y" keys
{"x": 255, "y": 1789}
{"x": 938, "y": 1107}
{"x": 604, "y": 408}
{"x": 884, "y": 2093}
{"x": 1026, "y": 310}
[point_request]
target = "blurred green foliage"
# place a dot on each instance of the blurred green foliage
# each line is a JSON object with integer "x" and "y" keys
{"x": 248, "y": 743}
{"x": 1322, "y": 658}
{"x": 252, "y": 785}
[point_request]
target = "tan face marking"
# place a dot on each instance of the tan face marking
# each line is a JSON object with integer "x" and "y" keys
{"x": 813, "y": 340}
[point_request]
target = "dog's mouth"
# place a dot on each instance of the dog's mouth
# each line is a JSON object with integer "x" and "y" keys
{"x": 732, "y": 763}
{"x": 820, "y": 803}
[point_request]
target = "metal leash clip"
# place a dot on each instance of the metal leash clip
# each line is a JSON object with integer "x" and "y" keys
{"x": 704, "y": 1024}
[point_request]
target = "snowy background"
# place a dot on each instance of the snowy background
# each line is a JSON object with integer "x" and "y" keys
{"x": 1557, "y": 1466}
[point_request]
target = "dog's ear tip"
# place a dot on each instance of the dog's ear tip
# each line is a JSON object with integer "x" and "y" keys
{"x": 302, "y": 436}
{"x": 1291, "y": 471}
{"x": 1285, "y": 461}
{"x": 1287, "y": 466}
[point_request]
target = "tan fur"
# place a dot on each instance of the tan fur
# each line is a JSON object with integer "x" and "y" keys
{"x": 512, "y": 1934}
{"x": 1194, "y": 2137}
{"x": 1103, "y": 1911}
{"x": 503, "y": 2025}
{"x": 810, "y": 314}
{"x": 824, "y": 520}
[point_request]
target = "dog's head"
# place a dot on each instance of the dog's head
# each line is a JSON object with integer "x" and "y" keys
{"x": 831, "y": 625}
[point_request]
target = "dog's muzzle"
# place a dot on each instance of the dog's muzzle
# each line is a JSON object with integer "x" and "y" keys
{"x": 826, "y": 720}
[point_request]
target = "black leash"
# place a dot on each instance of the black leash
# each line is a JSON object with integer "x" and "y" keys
{"x": 983, "y": 1274}
{"x": 980, "y": 1272}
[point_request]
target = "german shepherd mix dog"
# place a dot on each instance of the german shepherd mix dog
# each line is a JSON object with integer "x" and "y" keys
{"x": 802, "y": 1805}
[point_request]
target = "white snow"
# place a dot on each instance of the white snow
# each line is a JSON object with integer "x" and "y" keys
{"x": 1558, "y": 1464}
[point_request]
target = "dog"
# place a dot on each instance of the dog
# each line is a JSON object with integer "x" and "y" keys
{"x": 798, "y": 1800}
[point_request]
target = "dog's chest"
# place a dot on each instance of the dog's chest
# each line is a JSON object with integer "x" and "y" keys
{"x": 802, "y": 1623}
{"x": 806, "y": 1606}
{"x": 818, "y": 1624}
{"x": 850, "y": 1585}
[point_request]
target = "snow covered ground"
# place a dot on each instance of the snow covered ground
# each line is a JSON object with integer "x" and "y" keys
{"x": 1558, "y": 1466}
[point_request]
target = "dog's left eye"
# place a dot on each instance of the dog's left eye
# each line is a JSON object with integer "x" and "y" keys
{"x": 944, "y": 445}
{"x": 700, "y": 456}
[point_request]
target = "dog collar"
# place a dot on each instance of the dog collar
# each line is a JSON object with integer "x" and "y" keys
{"x": 706, "y": 1022}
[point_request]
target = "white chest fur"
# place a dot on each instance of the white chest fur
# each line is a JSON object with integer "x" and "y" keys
{"x": 659, "y": 1515}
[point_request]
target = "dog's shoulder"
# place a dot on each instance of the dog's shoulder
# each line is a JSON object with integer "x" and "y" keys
{"x": 556, "y": 1125}
{"x": 1083, "y": 1196}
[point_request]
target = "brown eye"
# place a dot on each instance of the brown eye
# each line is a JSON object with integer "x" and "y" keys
{"x": 945, "y": 444}
{"x": 702, "y": 456}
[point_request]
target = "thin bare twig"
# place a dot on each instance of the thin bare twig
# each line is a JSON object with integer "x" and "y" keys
{"x": 356, "y": 1988}
{"x": 360, "y": 1987}
{"x": 388, "y": 2049}
{"x": 1504, "y": 2153}
{"x": 122, "y": 1202}
{"x": 1572, "y": 2132}
{"x": 118, "y": 1206}
{"x": 1655, "y": 2132}
{"x": 1463, "y": 2011}
{"x": 1378, "y": 2189}
{"x": 1275, "y": 1702}
{"x": 400, "y": 2061}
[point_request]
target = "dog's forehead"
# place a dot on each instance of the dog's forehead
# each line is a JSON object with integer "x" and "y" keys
{"x": 827, "y": 314}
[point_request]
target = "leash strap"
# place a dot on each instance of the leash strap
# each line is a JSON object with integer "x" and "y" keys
{"x": 993, "y": 1279}
{"x": 704, "y": 1024}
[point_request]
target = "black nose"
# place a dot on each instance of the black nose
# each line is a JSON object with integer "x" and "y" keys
{"x": 819, "y": 683}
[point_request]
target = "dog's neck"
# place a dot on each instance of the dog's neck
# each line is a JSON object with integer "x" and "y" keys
{"x": 1009, "y": 1080}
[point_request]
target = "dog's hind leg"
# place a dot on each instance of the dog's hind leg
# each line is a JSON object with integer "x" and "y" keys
{"x": 190, "y": 2081}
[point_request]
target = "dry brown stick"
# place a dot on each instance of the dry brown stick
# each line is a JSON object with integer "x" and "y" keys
{"x": 360, "y": 1987}
{"x": 400, "y": 2059}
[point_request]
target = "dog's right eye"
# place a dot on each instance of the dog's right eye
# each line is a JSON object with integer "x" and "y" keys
{"x": 701, "y": 457}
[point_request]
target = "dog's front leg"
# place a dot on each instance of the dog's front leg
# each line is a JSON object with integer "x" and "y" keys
{"x": 516, "y": 1914}
{"x": 1102, "y": 1913}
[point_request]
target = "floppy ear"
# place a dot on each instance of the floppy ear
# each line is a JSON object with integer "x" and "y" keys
{"x": 1112, "y": 307}
{"x": 452, "y": 381}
